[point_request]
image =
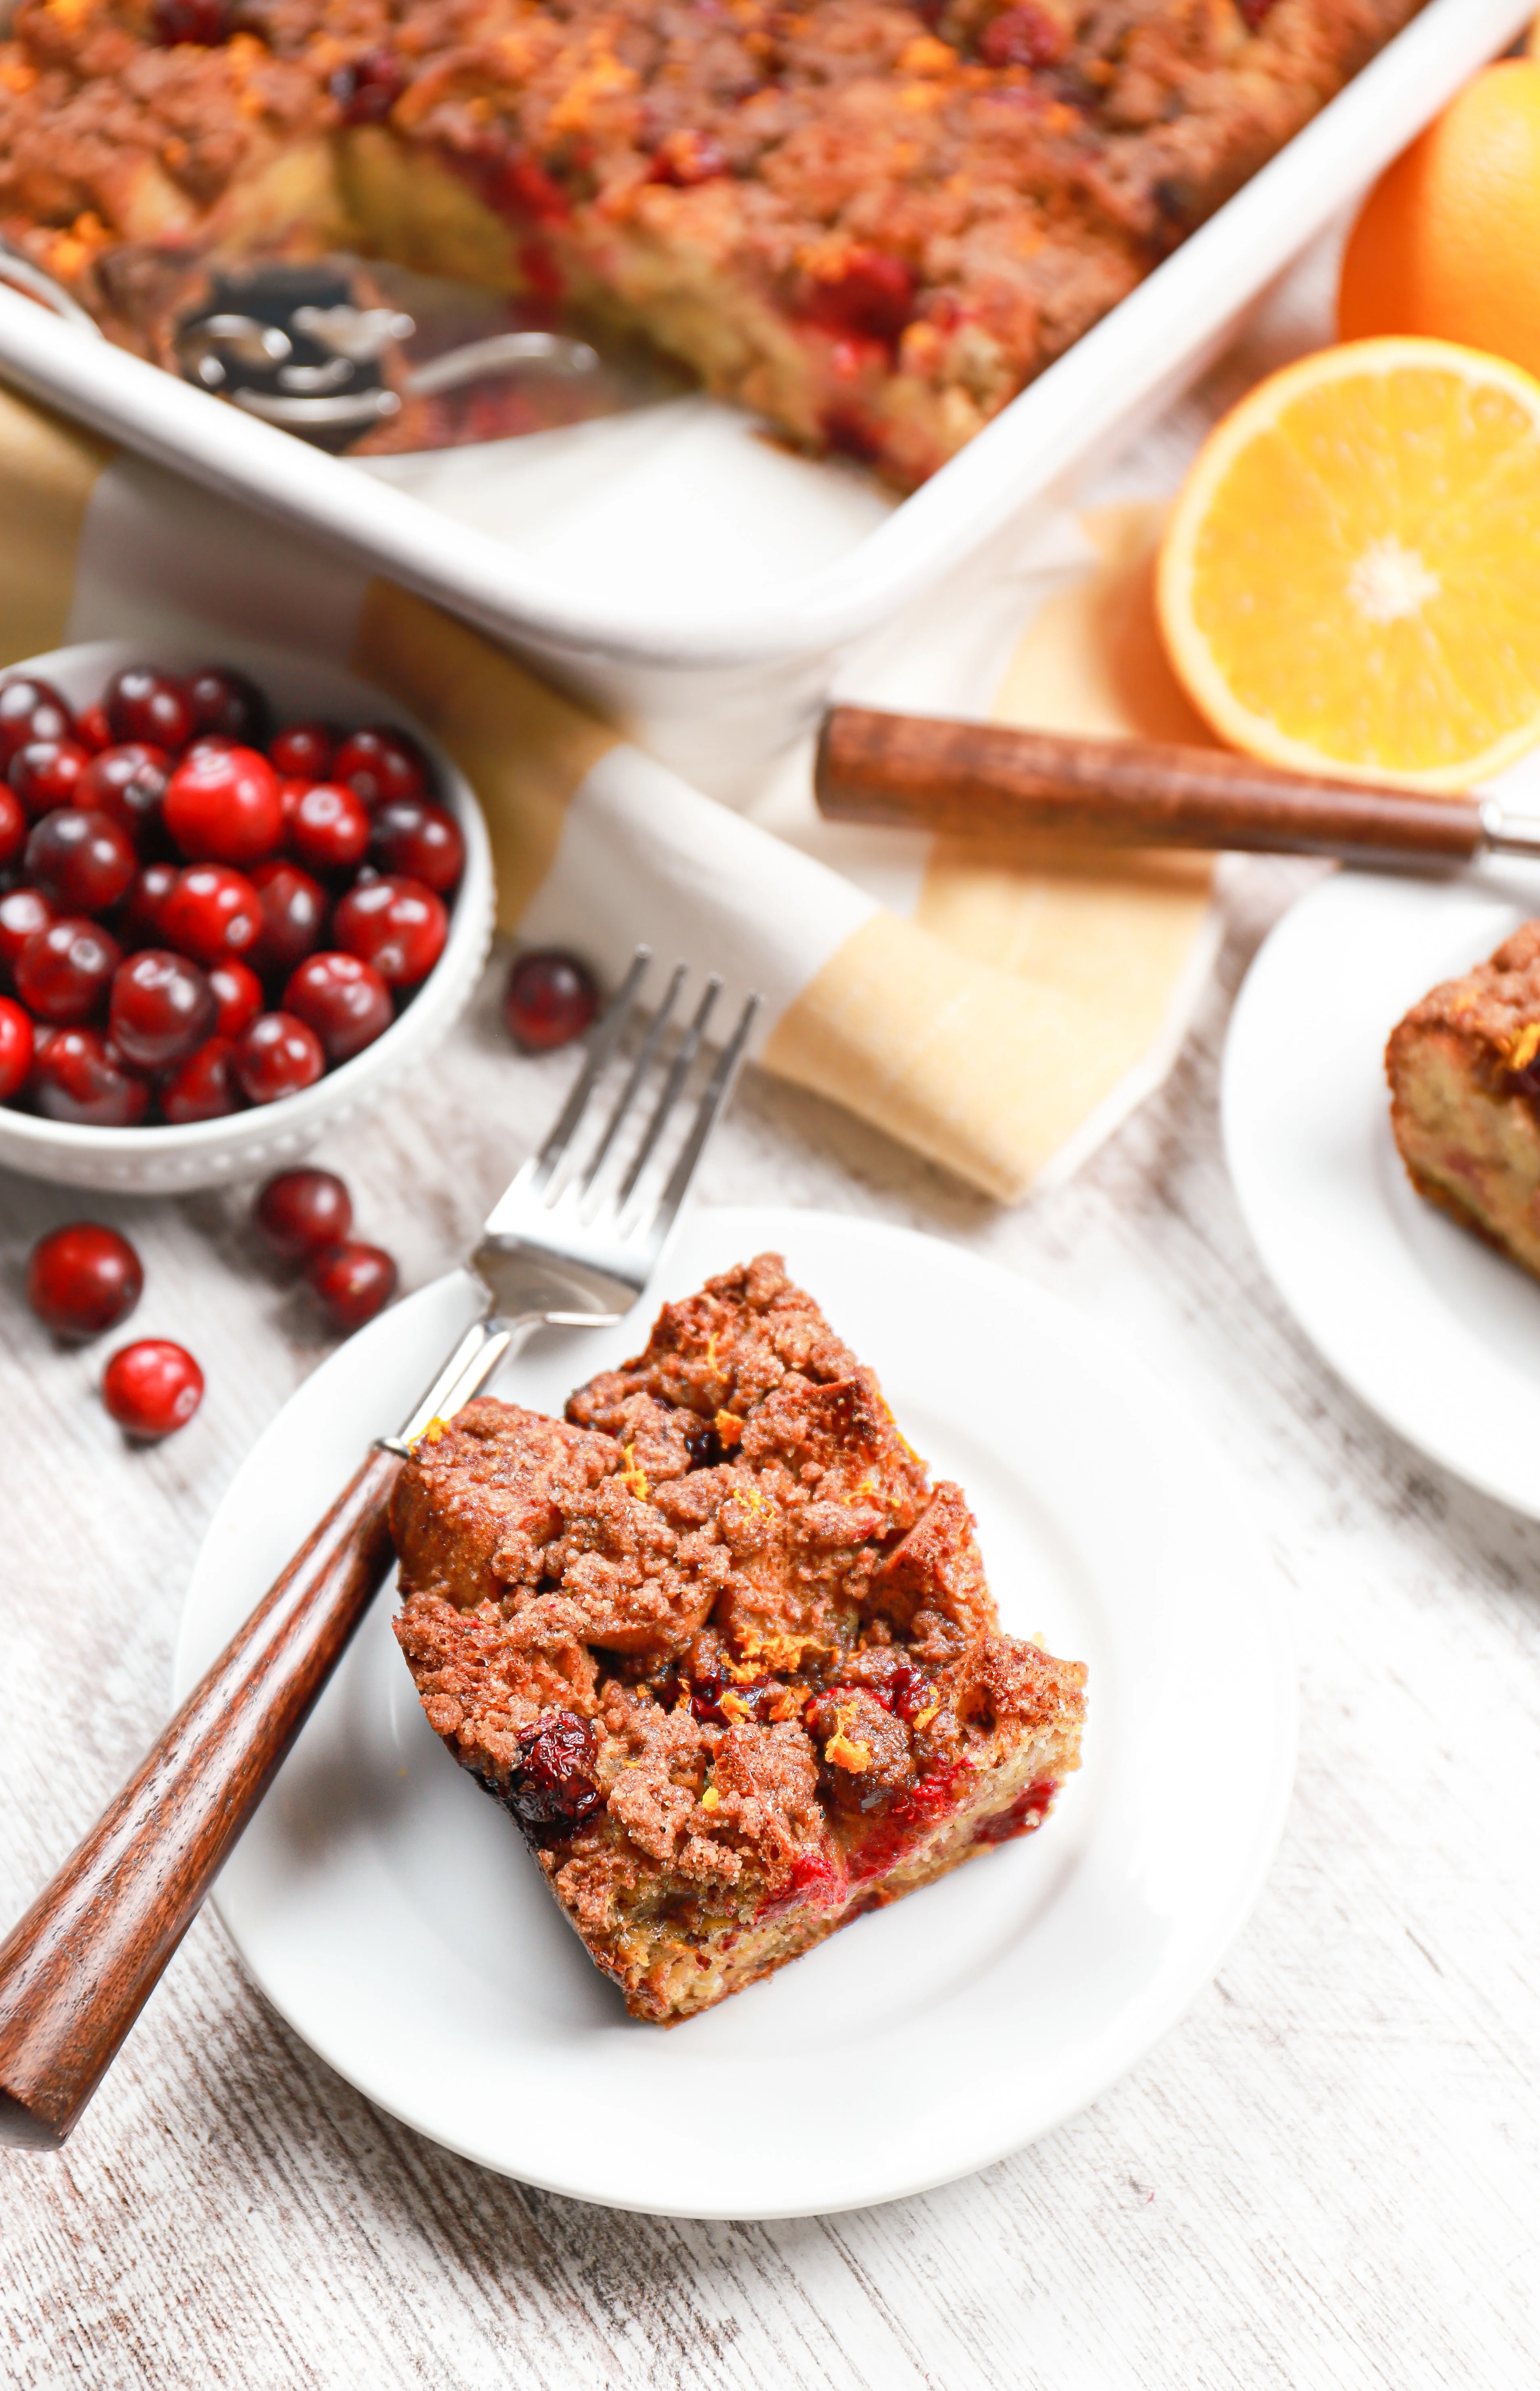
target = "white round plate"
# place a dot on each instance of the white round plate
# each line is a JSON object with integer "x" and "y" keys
{"x": 1435, "y": 1331}
{"x": 391, "y": 1912}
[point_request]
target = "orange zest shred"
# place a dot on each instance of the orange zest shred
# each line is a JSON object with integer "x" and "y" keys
{"x": 633, "y": 1477}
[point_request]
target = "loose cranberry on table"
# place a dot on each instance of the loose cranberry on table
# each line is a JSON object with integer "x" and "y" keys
{"x": 299, "y": 1211}
{"x": 421, "y": 841}
{"x": 211, "y": 913}
{"x": 161, "y": 1008}
{"x": 304, "y": 751}
{"x": 394, "y": 924}
{"x": 294, "y": 916}
{"x": 46, "y": 772}
{"x": 353, "y": 1282}
{"x": 344, "y": 1001}
{"x": 204, "y": 1087}
{"x": 22, "y": 912}
{"x": 84, "y": 1279}
{"x": 328, "y": 828}
{"x": 17, "y": 1042}
{"x": 78, "y": 1077}
{"x": 141, "y": 919}
{"x": 380, "y": 764}
{"x": 551, "y": 998}
{"x": 152, "y": 1387}
{"x": 222, "y": 806}
{"x": 63, "y": 973}
{"x": 144, "y": 704}
{"x": 13, "y": 827}
{"x": 31, "y": 709}
{"x": 226, "y": 702}
{"x": 128, "y": 782}
{"x": 82, "y": 861}
{"x": 237, "y": 995}
{"x": 277, "y": 1056}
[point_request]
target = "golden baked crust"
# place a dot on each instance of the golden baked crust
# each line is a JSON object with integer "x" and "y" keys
{"x": 724, "y": 1651}
{"x": 872, "y": 220}
{"x": 1465, "y": 1090}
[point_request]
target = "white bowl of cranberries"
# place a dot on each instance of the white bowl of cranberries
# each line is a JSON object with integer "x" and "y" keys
{"x": 239, "y": 897}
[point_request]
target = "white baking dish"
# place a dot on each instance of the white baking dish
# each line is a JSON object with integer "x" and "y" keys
{"x": 670, "y": 558}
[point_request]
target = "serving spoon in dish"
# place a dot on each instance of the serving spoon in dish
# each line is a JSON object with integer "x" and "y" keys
{"x": 574, "y": 1243}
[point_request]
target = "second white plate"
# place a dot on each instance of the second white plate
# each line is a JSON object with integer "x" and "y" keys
{"x": 391, "y": 1912}
{"x": 1436, "y": 1332}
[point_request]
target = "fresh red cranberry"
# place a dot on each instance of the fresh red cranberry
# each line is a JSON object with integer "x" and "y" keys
{"x": 1023, "y": 36}
{"x": 210, "y": 913}
{"x": 290, "y": 791}
{"x": 209, "y": 742}
{"x": 228, "y": 702}
{"x": 299, "y": 1211}
{"x": 380, "y": 763}
{"x": 329, "y": 829}
{"x": 46, "y": 773}
{"x": 551, "y": 998}
{"x": 204, "y": 1087}
{"x": 205, "y": 22}
{"x": 394, "y": 924}
{"x": 141, "y": 920}
{"x": 553, "y": 1787}
{"x": 421, "y": 840}
{"x": 353, "y": 1282}
{"x": 63, "y": 973}
{"x": 127, "y": 783}
{"x": 13, "y": 827}
{"x": 93, "y": 729}
{"x": 17, "y": 1042}
{"x": 147, "y": 705}
{"x": 294, "y": 916}
{"x": 367, "y": 88}
{"x": 161, "y": 1007}
{"x": 344, "y": 999}
{"x": 237, "y": 995}
{"x": 82, "y": 1279}
{"x": 81, "y": 860}
{"x": 22, "y": 912}
{"x": 31, "y": 710}
{"x": 78, "y": 1077}
{"x": 152, "y": 1387}
{"x": 304, "y": 751}
{"x": 222, "y": 806}
{"x": 1255, "y": 13}
{"x": 871, "y": 298}
{"x": 275, "y": 1057}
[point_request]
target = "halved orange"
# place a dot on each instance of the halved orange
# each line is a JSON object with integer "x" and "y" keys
{"x": 1351, "y": 581}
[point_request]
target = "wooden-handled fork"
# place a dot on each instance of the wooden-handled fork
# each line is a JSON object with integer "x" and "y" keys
{"x": 971, "y": 779}
{"x": 572, "y": 1244}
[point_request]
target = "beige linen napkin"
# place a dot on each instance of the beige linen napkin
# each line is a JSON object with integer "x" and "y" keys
{"x": 1001, "y": 1027}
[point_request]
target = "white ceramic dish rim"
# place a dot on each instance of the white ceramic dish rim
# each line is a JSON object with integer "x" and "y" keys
{"x": 1436, "y": 1334}
{"x": 1205, "y": 1538}
{"x": 1074, "y": 416}
{"x": 181, "y": 1151}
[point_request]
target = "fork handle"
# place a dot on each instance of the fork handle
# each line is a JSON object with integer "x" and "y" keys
{"x": 76, "y": 1971}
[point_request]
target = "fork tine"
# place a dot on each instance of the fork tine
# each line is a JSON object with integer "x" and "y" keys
{"x": 719, "y": 1089}
{"x": 602, "y": 1046}
{"x": 638, "y": 1072}
{"x": 679, "y": 1071}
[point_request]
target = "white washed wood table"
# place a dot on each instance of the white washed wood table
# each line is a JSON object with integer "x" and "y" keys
{"x": 1329, "y": 2175}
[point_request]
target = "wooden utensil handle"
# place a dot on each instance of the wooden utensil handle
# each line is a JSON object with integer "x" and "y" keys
{"x": 78, "y": 1968}
{"x": 907, "y": 771}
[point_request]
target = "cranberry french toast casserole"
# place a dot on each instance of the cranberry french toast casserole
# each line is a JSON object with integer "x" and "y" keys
{"x": 1464, "y": 1068}
{"x": 873, "y": 221}
{"x": 723, "y": 1649}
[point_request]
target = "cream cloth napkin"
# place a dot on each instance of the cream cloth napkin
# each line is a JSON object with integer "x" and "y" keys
{"x": 1000, "y": 1012}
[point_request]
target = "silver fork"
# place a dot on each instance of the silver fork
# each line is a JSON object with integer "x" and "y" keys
{"x": 573, "y": 1242}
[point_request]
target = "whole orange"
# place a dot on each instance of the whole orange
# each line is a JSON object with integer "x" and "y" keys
{"x": 1448, "y": 244}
